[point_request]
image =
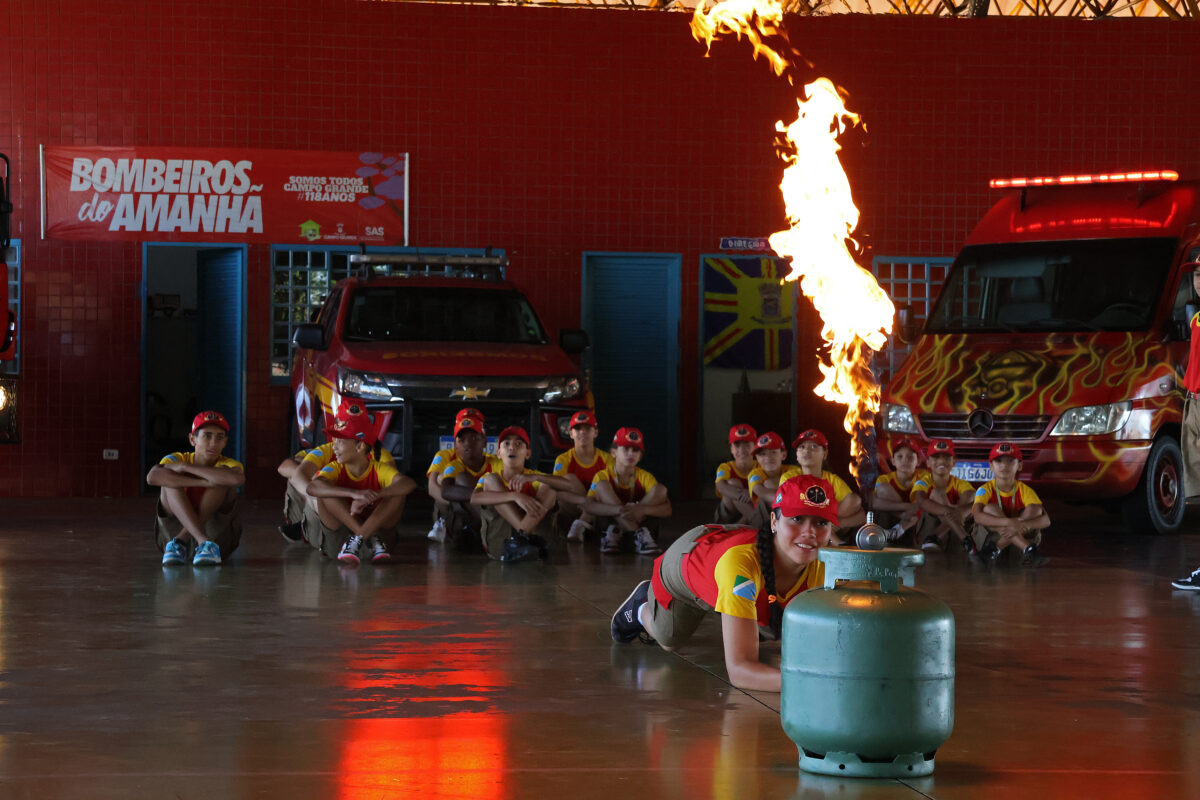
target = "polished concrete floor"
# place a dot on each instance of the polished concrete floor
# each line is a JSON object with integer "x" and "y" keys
{"x": 448, "y": 676}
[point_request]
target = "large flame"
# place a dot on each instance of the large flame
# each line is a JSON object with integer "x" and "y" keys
{"x": 856, "y": 312}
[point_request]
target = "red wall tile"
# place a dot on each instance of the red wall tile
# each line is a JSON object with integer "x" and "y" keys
{"x": 544, "y": 131}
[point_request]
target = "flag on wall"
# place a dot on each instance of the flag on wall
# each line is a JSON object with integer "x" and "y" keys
{"x": 749, "y": 314}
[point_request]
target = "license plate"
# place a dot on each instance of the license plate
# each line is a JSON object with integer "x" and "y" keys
{"x": 447, "y": 443}
{"x": 973, "y": 471}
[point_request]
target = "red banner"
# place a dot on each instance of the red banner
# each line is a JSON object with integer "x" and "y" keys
{"x": 224, "y": 194}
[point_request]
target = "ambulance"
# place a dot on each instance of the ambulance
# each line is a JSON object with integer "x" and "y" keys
{"x": 1062, "y": 327}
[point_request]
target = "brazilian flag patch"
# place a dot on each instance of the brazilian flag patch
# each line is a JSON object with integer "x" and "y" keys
{"x": 745, "y": 588}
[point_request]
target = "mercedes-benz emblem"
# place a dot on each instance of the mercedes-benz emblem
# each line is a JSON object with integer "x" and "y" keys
{"x": 980, "y": 423}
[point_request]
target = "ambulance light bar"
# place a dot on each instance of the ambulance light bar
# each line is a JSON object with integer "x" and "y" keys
{"x": 1075, "y": 180}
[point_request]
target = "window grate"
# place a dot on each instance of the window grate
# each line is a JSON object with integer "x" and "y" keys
{"x": 912, "y": 283}
{"x": 300, "y": 280}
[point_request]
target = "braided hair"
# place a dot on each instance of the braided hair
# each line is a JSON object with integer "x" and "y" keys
{"x": 766, "y": 562}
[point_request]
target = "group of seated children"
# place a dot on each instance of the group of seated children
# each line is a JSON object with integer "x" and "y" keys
{"x": 930, "y": 504}
{"x": 747, "y": 484}
{"x": 515, "y": 512}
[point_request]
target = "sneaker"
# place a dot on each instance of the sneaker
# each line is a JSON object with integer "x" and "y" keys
{"x": 931, "y": 544}
{"x": 611, "y": 543}
{"x": 990, "y": 553}
{"x": 207, "y": 553}
{"x": 1033, "y": 558}
{"x": 1189, "y": 584}
{"x": 625, "y": 625}
{"x": 438, "y": 532}
{"x": 893, "y": 534}
{"x": 968, "y": 544}
{"x": 518, "y": 547}
{"x": 578, "y": 528}
{"x": 174, "y": 553}
{"x": 379, "y": 553}
{"x": 349, "y": 553}
{"x": 293, "y": 531}
{"x": 644, "y": 544}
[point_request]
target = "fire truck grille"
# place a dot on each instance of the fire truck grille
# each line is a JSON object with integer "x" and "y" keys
{"x": 1000, "y": 427}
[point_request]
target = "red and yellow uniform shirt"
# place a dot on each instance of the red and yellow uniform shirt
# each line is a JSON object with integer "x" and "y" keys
{"x": 841, "y": 489}
{"x": 378, "y": 476}
{"x": 723, "y": 571}
{"x": 893, "y": 480}
{"x": 568, "y": 463}
{"x": 440, "y": 459}
{"x": 633, "y": 492}
{"x": 956, "y": 488}
{"x": 729, "y": 472}
{"x": 757, "y": 475}
{"x": 1191, "y": 378}
{"x": 530, "y": 488}
{"x": 195, "y": 493}
{"x": 1011, "y": 503}
{"x": 322, "y": 456}
{"x": 456, "y": 467}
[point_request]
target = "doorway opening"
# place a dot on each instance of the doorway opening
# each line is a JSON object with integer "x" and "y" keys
{"x": 193, "y": 344}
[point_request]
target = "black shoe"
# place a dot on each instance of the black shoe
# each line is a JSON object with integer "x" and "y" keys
{"x": 990, "y": 553}
{"x": 293, "y": 531}
{"x": 931, "y": 544}
{"x": 969, "y": 545}
{"x": 518, "y": 548}
{"x": 625, "y": 625}
{"x": 540, "y": 543}
{"x": 1033, "y": 558}
{"x": 1189, "y": 584}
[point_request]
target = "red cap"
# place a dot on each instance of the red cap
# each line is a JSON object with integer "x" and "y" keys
{"x": 629, "y": 437}
{"x": 469, "y": 412}
{"x": 768, "y": 441}
{"x": 807, "y": 495}
{"x": 352, "y": 422}
{"x": 742, "y": 433}
{"x": 210, "y": 418}
{"x": 583, "y": 418}
{"x": 911, "y": 445}
{"x": 811, "y": 435}
{"x": 940, "y": 447}
{"x": 514, "y": 430}
{"x": 469, "y": 423}
{"x": 1005, "y": 449}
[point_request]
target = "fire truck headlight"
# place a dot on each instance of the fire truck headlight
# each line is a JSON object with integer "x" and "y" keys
{"x": 1092, "y": 420}
{"x": 561, "y": 389}
{"x": 897, "y": 419}
{"x": 363, "y": 384}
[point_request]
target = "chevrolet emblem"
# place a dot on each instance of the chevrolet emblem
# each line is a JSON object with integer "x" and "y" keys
{"x": 470, "y": 393}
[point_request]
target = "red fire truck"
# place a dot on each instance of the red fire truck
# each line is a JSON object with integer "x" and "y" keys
{"x": 1062, "y": 327}
{"x": 417, "y": 337}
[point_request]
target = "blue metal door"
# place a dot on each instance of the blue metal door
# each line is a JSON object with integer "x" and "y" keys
{"x": 221, "y": 301}
{"x": 631, "y": 306}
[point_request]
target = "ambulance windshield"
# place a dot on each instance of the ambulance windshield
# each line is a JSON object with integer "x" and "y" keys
{"x": 441, "y": 314}
{"x": 1073, "y": 285}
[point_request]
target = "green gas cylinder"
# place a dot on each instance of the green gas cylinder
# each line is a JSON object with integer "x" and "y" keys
{"x": 868, "y": 668}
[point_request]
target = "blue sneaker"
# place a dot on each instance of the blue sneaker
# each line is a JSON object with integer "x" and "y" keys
{"x": 207, "y": 553}
{"x": 174, "y": 554}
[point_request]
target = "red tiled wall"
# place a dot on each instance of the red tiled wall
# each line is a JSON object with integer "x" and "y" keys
{"x": 544, "y": 131}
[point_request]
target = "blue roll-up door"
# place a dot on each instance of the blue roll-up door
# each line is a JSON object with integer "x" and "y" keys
{"x": 631, "y": 312}
{"x": 221, "y": 359}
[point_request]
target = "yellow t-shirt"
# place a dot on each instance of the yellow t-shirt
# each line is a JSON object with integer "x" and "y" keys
{"x": 634, "y": 492}
{"x": 456, "y": 467}
{"x": 377, "y": 477}
{"x": 190, "y": 459}
{"x": 440, "y": 459}
{"x": 757, "y": 475}
{"x": 322, "y": 455}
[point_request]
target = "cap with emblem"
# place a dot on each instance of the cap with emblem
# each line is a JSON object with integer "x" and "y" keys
{"x": 807, "y": 496}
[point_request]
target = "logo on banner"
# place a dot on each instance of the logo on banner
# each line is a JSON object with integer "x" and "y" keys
{"x": 310, "y": 230}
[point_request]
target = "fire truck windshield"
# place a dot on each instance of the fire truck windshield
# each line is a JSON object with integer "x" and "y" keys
{"x": 1072, "y": 285}
{"x": 416, "y": 313}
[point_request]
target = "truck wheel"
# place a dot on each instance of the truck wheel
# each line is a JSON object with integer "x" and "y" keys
{"x": 1157, "y": 504}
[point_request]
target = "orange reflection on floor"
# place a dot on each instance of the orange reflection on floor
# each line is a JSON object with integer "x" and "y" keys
{"x": 453, "y": 756}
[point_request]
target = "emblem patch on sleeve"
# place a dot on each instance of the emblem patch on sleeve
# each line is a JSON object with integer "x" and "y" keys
{"x": 745, "y": 588}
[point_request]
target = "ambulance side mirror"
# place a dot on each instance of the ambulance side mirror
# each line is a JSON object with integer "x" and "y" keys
{"x": 907, "y": 328}
{"x": 1180, "y": 329}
